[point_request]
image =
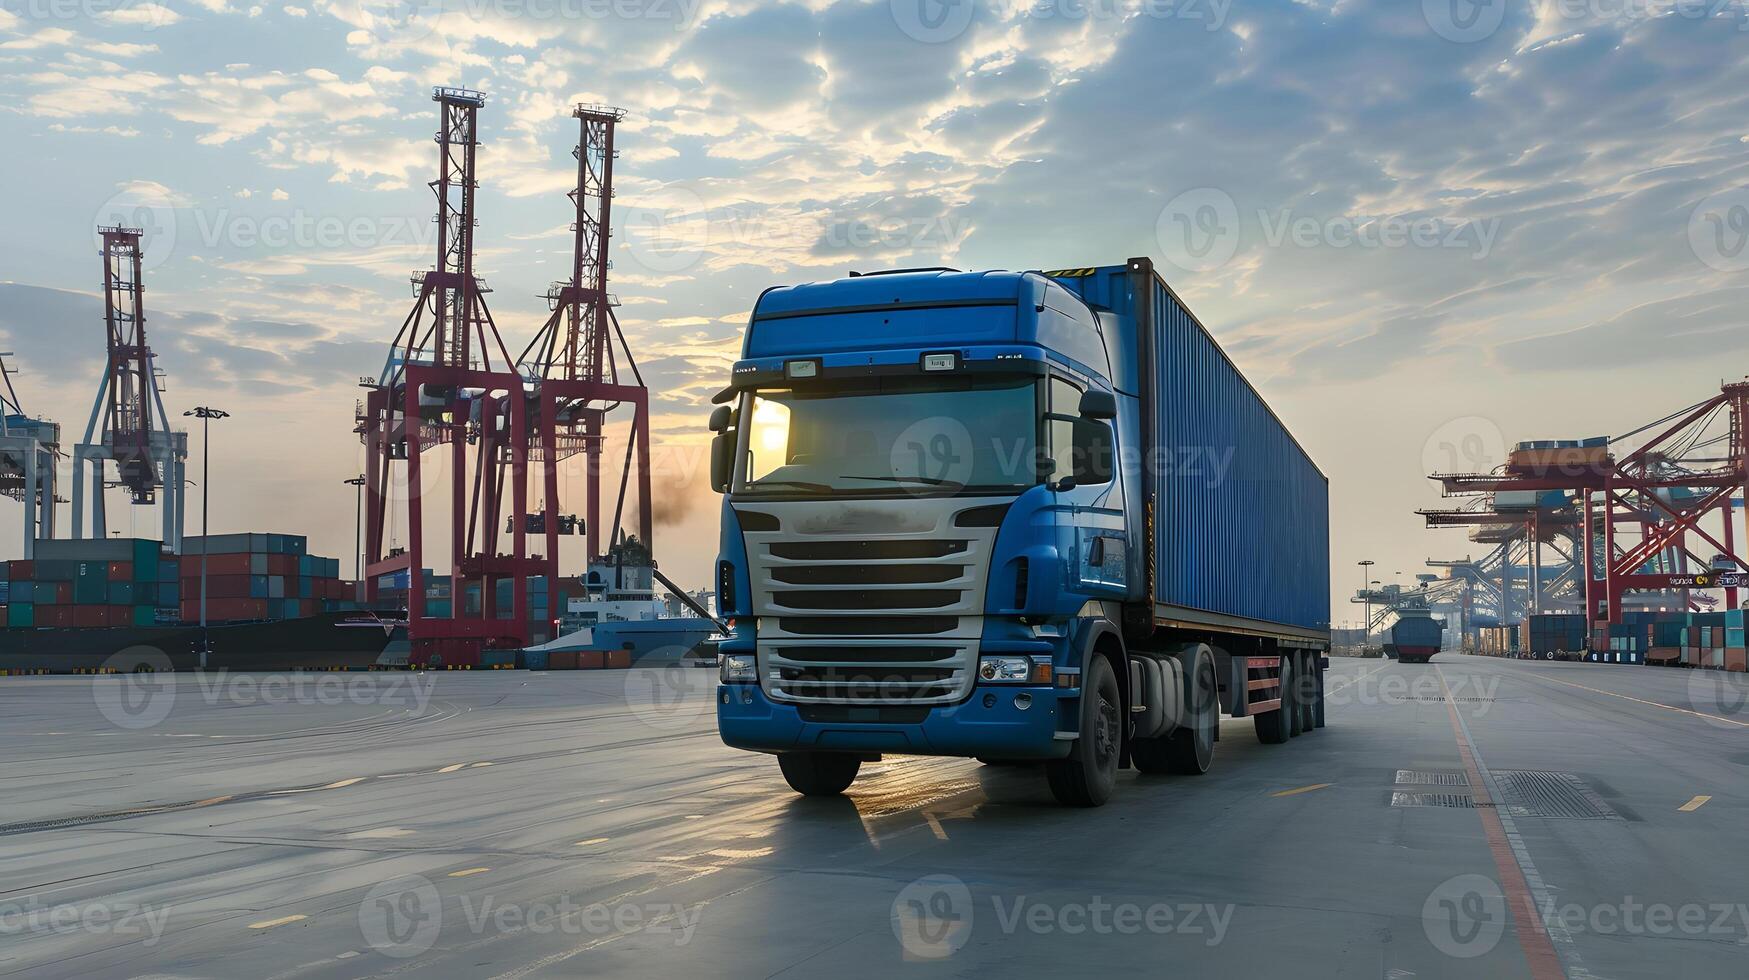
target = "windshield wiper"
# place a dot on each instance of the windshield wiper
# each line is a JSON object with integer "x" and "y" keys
{"x": 799, "y": 484}
{"x": 925, "y": 480}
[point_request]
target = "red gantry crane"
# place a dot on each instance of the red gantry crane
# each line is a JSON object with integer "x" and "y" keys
{"x": 1643, "y": 510}
{"x": 573, "y": 365}
{"x": 450, "y": 382}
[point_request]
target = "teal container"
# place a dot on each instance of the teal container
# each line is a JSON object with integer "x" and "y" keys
{"x": 91, "y": 585}
{"x": 497, "y": 658}
{"x": 306, "y": 587}
{"x": 532, "y": 660}
{"x": 20, "y": 615}
{"x": 24, "y": 592}
{"x": 121, "y": 593}
{"x": 145, "y": 615}
{"x": 145, "y": 559}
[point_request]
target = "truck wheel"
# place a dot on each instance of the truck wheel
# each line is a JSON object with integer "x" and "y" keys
{"x": 1088, "y": 775}
{"x": 818, "y": 773}
{"x": 1318, "y": 703}
{"x": 1306, "y": 697}
{"x": 1191, "y": 750}
{"x": 1276, "y": 727}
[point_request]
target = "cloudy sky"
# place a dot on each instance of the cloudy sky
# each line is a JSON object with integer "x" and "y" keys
{"x": 1423, "y": 229}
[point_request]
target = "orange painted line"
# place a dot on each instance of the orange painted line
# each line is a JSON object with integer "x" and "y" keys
{"x": 1539, "y": 951}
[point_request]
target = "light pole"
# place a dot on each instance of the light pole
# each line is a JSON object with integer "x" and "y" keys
{"x": 357, "y": 535}
{"x": 1366, "y": 595}
{"x": 206, "y": 414}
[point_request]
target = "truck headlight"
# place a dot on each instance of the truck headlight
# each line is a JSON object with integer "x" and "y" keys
{"x": 1013, "y": 670}
{"x": 739, "y": 668}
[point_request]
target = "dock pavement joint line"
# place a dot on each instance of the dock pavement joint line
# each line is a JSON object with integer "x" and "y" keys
{"x": 1302, "y": 789}
{"x": 271, "y": 923}
{"x": 1694, "y": 804}
{"x": 1655, "y": 704}
{"x": 1533, "y": 937}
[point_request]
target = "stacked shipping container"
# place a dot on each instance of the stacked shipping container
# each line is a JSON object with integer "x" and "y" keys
{"x": 258, "y": 576}
{"x": 92, "y": 584}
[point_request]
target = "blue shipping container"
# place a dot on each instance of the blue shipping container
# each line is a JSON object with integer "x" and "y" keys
{"x": 1241, "y": 514}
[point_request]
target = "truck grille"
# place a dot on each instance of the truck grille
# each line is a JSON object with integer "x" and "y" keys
{"x": 870, "y": 602}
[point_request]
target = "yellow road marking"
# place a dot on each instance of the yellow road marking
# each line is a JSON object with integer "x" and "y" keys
{"x": 342, "y": 784}
{"x": 1694, "y": 804}
{"x": 459, "y": 765}
{"x": 1655, "y": 704}
{"x": 214, "y": 800}
{"x": 1302, "y": 789}
{"x": 468, "y": 871}
{"x": 935, "y": 825}
{"x": 478, "y": 765}
{"x": 592, "y": 840}
{"x": 270, "y": 923}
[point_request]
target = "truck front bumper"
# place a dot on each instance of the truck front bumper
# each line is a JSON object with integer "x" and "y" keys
{"x": 989, "y": 724}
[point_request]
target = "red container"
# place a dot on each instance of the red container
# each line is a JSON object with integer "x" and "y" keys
{"x": 562, "y": 660}
{"x": 63, "y": 593}
{"x": 21, "y": 571}
{"x": 590, "y": 659}
{"x": 89, "y": 617}
{"x": 215, "y": 565}
{"x": 121, "y": 571}
{"x": 619, "y": 659}
{"x": 1737, "y": 659}
{"x": 282, "y": 564}
{"x": 59, "y": 617}
{"x": 217, "y": 587}
{"x": 221, "y": 610}
{"x": 121, "y": 615}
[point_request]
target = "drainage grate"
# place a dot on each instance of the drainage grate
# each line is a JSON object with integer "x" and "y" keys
{"x": 1455, "y": 800}
{"x": 1529, "y": 793}
{"x": 1411, "y": 777}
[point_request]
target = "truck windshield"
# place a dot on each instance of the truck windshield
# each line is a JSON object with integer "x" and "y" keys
{"x": 892, "y": 437}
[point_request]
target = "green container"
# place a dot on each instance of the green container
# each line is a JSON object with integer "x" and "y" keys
{"x": 145, "y": 615}
{"x": 21, "y": 615}
{"x": 91, "y": 589}
{"x": 121, "y": 593}
{"x": 146, "y": 561}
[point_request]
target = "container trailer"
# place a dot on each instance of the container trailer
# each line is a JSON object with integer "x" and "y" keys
{"x": 1021, "y": 517}
{"x": 1416, "y": 636}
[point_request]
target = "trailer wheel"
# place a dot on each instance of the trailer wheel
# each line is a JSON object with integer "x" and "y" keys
{"x": 818, "y": 773}
{"x": 1306, "y": 694}
{"x": 1191, "y": 750}
{"x": 1276, "y": 727}
{"x": 1318, "y": 688}
{"x": 1088, "y": 775}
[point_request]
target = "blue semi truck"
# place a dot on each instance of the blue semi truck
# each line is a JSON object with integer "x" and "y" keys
{"x": 1021, "y": 517}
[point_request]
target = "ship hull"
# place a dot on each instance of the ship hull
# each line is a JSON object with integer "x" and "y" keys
{"x": 332, "y": 641}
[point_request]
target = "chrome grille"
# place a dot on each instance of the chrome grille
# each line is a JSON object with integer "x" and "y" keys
{"x": 872, "y": 602}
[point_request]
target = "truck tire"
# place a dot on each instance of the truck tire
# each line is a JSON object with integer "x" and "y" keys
{"x": 1089, "y": 774}
{"x": 1311, "y": 693}
{"x": 1318, "y": 705}
{"x": 1296, "y": 697}
{"x": 1190, "y": 751}
{"x": 1276, "y": 727}
{"x": 818, "y": 773}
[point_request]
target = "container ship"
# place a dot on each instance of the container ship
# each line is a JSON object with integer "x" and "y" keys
{"x": 126, "y": 604}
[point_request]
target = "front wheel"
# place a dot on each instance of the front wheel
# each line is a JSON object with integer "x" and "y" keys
{"x": 1088, "y": 776}
{"x": 818, "y": 773}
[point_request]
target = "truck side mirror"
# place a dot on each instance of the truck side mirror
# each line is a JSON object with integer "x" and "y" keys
{"x": 722, "y": 461}
{"x": 1094, "y": 449}
{"x": 1096, "y": 404}
{"x": 720, "y": 418}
